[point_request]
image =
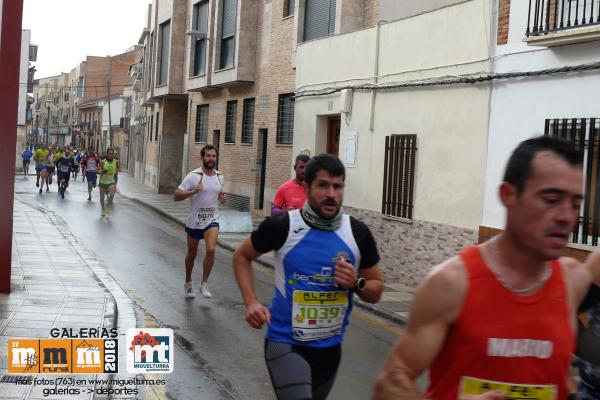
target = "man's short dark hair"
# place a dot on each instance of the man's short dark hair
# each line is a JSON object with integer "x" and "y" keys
{"x": 301, "y": 158}
{"x": 109, "y": 149}
{"x": 207, "y": 148}
{"x": 518, "y": 168}
{"x": 326, "y": 162}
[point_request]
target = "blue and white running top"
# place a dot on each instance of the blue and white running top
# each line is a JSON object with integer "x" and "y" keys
{"x": 308, "y": 308}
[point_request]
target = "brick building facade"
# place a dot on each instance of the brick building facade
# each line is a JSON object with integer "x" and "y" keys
{"x": 251, "y": 104}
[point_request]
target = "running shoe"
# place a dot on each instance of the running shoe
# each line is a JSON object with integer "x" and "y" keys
{"x": 189, "y": 290}
{"x": 37, "y": 184}
{"x": 40, "y": 191}
{"x": 204, "y": 290}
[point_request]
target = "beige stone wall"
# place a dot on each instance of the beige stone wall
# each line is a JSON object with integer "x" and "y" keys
{"x": 371, "y": 13}
{"x": 409, "y": 250}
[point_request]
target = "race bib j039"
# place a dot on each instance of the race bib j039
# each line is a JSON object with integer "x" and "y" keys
{"x": 318, "y": 315}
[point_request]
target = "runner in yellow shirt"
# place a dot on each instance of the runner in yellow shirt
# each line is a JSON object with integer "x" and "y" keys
{"x": 41, "y": 166}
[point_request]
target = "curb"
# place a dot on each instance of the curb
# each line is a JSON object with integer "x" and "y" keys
{"x": 378, "y": 311}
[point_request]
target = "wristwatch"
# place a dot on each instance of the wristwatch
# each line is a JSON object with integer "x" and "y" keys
{"x": 360, "y": 284}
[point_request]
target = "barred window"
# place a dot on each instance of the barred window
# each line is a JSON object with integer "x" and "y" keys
{"x": 399, "y": 175}
{"x": 248, "y": 120}
{"x": 201, "y": 124}
{"x": 285, "y": 119}
{"x": 584, "y": 134}
{"x": 230, "y": 120}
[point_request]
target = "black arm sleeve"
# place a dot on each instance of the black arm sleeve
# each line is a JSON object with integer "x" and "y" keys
{"x": 271, "y": 233}
{"x": 369, "y": 256}
{"x": 592, "y": 298}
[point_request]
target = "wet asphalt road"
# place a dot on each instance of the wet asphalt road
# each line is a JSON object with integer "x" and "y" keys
{"x": 144, "y": 253}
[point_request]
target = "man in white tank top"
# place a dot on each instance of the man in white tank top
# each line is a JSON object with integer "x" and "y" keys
{"x": 205, "y": 188}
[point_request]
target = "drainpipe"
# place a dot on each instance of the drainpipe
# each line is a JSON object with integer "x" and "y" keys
{"x": 186, "y": 141}
{"x": 375, "y": 76}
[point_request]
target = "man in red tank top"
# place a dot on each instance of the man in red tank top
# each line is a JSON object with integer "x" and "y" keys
{"x": 498, "y": 320}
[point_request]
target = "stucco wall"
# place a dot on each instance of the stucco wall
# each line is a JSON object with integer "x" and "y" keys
{"x": 25, "y": 42}
{"x": 450, "y": 122}
{"x": 391, "y": 10}
{"x": 519, "y": 107}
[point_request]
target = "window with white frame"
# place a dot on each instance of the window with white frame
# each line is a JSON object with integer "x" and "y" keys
{"x": 201, "y": 134}
{"x": 199, "y": 39}
{"x": 319, "y": 19}
{"x": 228, "y": 29}
{"x": 165, "y": 41}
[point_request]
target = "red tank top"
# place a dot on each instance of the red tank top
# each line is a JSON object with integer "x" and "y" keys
{"x": 518, "y": 344}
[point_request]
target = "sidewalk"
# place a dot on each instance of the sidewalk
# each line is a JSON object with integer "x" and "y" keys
{"x": 56, "y": 283}
{"x": 396, "y": 299}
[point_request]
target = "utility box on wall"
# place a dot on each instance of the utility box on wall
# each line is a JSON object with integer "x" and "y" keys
{"x": 345, "y": 101}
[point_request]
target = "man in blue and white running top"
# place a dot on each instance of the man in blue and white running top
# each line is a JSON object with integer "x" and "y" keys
{"x": 322, "y": 257}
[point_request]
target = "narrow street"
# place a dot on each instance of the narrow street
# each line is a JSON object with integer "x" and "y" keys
{"x": 145, "y": 255}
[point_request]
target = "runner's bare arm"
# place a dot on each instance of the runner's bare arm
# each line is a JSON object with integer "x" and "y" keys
{"x": 374, "y": 286}
{"x": 180, "y": 195}
{"x": 346, "y": 276}
{"x": 256, "y": 314}
{"x": 435, "y": 308}
{"x": 592, "y": 264}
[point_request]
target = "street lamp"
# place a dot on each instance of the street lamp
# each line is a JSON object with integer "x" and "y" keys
{"x": 48, "y": 102}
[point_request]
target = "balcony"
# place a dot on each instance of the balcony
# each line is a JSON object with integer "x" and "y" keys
{"x": 560, "y": 22}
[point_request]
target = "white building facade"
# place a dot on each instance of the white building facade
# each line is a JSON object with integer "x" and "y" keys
{"x": 415, "y": 147}
{"x": 22, "y": 116}
{"x": 560, "y": 34}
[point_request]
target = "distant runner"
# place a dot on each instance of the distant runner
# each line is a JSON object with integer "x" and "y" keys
{"x": 205, "y": 187}
{"x": 26, "y": 156}
{"x": 290, "y": 195}
{"x": 91, "y": 163}
{"x": 41, "y": 167}
{"x": 64, "y": 166}
{"x": 108, "y": 169}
